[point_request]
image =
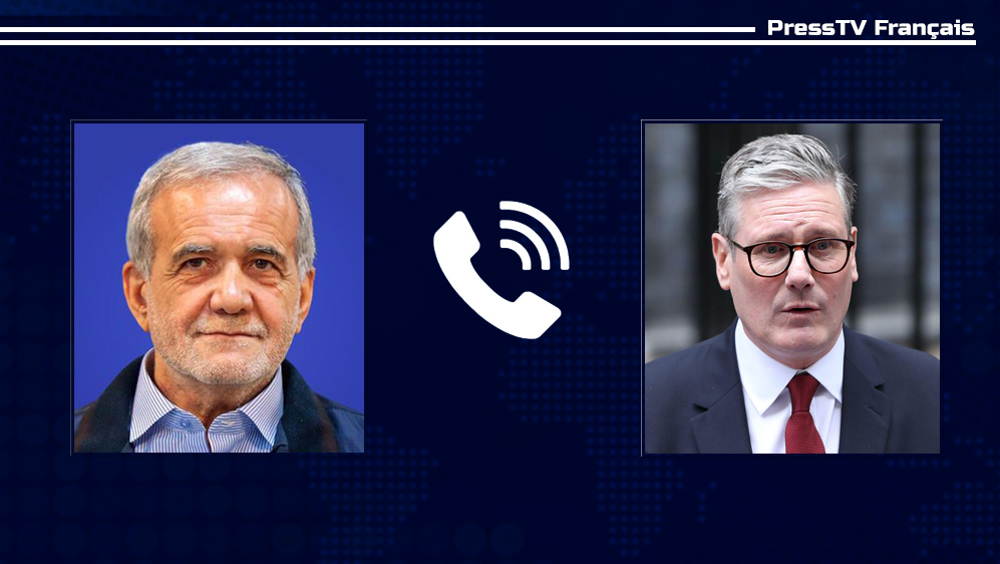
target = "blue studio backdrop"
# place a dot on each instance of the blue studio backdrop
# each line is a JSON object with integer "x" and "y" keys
{"x": 480, "y": 447}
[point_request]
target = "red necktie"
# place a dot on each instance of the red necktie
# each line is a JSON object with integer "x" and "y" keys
{"x": 801, "y": 436}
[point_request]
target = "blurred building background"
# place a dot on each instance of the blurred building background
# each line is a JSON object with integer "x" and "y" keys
{"x": 897, "y": 170}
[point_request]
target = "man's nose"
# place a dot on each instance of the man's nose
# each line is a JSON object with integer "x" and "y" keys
{"x": 231, "y": 294}
{"x": 799, "y": 275}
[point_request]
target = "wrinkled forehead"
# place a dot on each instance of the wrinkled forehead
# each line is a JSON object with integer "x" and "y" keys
{"x": 817, "y": 204}
{"x": 257, "y": 199}
{"x": 259, "y": 185}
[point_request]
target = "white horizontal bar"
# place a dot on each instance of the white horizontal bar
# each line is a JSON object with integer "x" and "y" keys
{"x": 478, "y": 42}
{"x": 369, "y": 29}
{"x": 666, "y": 121}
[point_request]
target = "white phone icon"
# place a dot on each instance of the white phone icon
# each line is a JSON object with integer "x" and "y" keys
{"x": 528, "y": 317}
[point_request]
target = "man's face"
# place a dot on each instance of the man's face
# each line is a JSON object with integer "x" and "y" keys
{"x": 794, "y": 317}
{"x": 223, "y": 298}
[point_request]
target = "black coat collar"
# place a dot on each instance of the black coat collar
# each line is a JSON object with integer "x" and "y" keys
{"x": 722, "y": 427}
{"x": 305, "y": 425}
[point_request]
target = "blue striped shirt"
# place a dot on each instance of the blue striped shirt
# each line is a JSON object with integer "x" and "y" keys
{"x": 160, "y": 426}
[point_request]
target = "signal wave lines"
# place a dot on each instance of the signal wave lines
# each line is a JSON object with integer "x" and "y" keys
{"x": 543, "y": 252}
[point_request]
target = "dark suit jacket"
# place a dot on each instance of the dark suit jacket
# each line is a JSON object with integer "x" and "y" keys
{"x": 694, "y": 399}
{"x": 310, "y": 423}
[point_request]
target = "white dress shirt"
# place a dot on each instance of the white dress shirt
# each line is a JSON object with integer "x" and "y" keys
{"x": 769, "y": 404}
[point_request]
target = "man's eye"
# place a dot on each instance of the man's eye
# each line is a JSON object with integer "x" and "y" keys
{"x": 261, "y": 264}
{"x": 822, "y": 245}
{"x": 194, "y": 263}
{"x": 771, "y": 249}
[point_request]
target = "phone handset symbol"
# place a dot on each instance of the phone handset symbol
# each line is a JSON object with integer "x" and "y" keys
{"x": 529, "y": 316}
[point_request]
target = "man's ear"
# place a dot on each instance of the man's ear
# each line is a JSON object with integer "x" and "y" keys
{"x": 305, "y": 297}
{"x": 854, "y": 255}
{"x": 721, "y": 250}
{"x": 136, "y": 286}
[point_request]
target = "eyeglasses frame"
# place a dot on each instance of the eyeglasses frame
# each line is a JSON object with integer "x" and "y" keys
{"x": 791, "y": 254}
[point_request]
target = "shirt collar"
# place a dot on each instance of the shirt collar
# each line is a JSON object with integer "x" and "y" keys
{"x": 266, "y": 409}
{"x": 150, "y": 405}
{"x": 764, "y": 378}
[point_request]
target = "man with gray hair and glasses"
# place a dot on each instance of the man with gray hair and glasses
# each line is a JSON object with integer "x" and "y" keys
{"x": 220, "y": 274}
{"x": 788, "y": 376}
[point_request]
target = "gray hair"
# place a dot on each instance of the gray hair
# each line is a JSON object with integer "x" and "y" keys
{"x": 775, "y": 163}
{"x": 214, "y": 160}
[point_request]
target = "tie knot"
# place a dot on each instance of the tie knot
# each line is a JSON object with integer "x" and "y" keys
{"x": 802, "y": 388}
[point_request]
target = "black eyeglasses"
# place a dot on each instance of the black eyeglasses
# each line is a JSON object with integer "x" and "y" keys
{"x": 772, "y": 258}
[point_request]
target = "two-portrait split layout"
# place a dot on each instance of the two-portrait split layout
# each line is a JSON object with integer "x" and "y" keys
{"x": 791, "y": 287}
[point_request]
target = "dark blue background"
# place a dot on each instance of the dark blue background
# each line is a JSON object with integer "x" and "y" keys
{"x": 481, "y": 447}
{"x": 109, "y": 159}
